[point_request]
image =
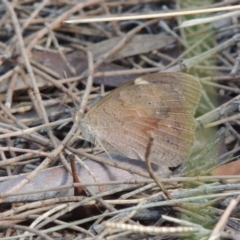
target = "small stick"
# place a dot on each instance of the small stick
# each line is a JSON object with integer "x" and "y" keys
{"x": 223, "y": 220}
{"x": 89, "y": 81}
{"x": 235, "y": 68}
{"x": 151, "y": 172}
{"x": 78, "y": 190}
{"x": 55, "y": 41}
{"x": 8, "y": 102}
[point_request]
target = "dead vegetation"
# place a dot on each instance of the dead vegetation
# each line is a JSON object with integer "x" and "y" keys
{"x": 49, "y": 67}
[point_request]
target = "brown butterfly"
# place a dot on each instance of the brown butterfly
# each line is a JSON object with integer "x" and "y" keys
{"x": 161, "y": 105}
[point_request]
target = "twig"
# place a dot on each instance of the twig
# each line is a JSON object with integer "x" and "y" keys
{"x": 235, "y": 66}
{"x": 223, "y": 220}
{"x": 151, "y": 172}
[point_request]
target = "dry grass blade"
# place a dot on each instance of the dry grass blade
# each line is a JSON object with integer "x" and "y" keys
{"x": 153, "y": 15}
{"x": 200, "y": 21}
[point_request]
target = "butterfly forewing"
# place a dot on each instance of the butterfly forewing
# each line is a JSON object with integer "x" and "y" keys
{"x": 159, "y": 105}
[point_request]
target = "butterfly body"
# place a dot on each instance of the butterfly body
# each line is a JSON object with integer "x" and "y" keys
{"x": 160, "y": 105}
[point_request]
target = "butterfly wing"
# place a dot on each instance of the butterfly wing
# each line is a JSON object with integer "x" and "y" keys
{"x": 148, "y": 106}
{"x": 185, "y": 84}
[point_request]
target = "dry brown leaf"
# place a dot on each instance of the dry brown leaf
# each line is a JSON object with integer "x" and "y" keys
{"x": 57, "y": 176}
{"x": 232, "y": 168}
{"x": 139, "y": 44}
{"x": 55, "y": 63}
